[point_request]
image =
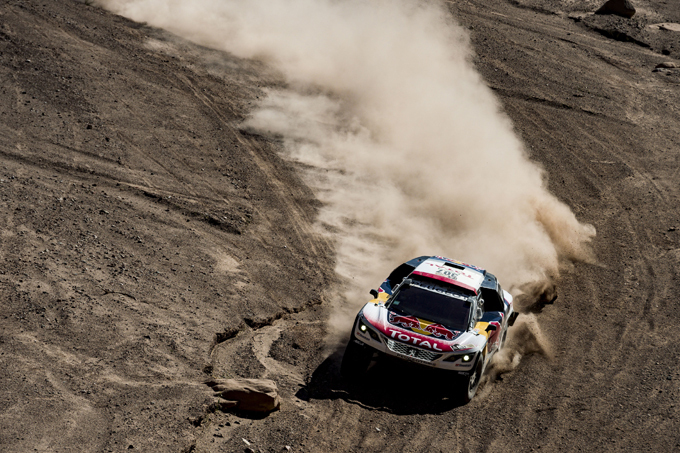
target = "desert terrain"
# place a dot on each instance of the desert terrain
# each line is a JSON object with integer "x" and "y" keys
{"x": 149, "y": 242}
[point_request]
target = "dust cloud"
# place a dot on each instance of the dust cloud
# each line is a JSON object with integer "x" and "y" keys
{"x": 405, "y": 145}
{"x": 524, "y": 338}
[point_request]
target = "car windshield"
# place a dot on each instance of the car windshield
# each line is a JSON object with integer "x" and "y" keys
{"x": 452, "y": 312}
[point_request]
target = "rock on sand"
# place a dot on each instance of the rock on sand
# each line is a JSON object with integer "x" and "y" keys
{"x": 252, "y": 395}
{"x": 619, "y": 7}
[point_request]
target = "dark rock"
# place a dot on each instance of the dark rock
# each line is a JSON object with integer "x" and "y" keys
{"x": 622, "y": 8}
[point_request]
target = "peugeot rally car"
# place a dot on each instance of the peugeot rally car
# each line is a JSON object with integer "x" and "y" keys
{"x": 435, "y": 312}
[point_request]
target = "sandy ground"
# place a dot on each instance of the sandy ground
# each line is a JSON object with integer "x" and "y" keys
{"x": 147, "y": 243}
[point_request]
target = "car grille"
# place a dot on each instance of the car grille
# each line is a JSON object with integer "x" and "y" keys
{"x": 414, "y": 353}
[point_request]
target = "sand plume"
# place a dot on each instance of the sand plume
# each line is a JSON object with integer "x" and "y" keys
{"x": 406, "y": 146}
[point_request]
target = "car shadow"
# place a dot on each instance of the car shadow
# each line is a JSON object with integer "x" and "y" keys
{"x": 389, "y": 385}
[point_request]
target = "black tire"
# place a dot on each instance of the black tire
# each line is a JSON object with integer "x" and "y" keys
{"x": 468, "y": 386}
{"x": 355, "y": 361}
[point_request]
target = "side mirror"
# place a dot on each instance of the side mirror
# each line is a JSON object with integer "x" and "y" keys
{"x": 373, "y": 293}
{"x": 491, "y": 327}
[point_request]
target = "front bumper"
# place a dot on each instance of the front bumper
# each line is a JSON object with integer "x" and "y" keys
{"x": 372, "y": 338}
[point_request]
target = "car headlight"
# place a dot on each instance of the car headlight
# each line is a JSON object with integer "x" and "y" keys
{"x": 465, "y": 358}
{"x": 363, "y": 327}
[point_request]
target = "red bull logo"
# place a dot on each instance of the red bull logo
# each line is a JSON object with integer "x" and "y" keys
{"x": 494, "y": 334}
{"x": 440, "y": 331}
{"x": 409, "y": 322}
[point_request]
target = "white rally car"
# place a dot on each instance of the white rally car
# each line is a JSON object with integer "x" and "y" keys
{"x": 438, "y": 313}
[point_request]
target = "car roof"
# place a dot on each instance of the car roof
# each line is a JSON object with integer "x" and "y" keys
{"x": 452, "y": 272}
{"x": 490, "y": 281}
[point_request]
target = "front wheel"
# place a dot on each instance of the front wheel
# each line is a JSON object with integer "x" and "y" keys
{"x": 468, "y": 386}
{"x": 355, "y": 361}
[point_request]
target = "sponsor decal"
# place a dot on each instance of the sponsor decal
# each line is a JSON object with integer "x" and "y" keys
{"x": 422, "y": 327}
{"x": 494, "y": 335}
{"x": 453, "y": 275}
{"x": 409, "y": 322}
{"x": 401, "y": 336}
{"x": 440, "y": 331}
{"x": 433, "y": 286}
{"x": 461, "y": 263}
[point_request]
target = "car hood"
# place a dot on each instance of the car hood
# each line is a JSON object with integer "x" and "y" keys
{"x": 420, "y": 332}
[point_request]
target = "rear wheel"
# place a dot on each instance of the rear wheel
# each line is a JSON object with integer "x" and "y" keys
{"x": 355, "y": 361}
